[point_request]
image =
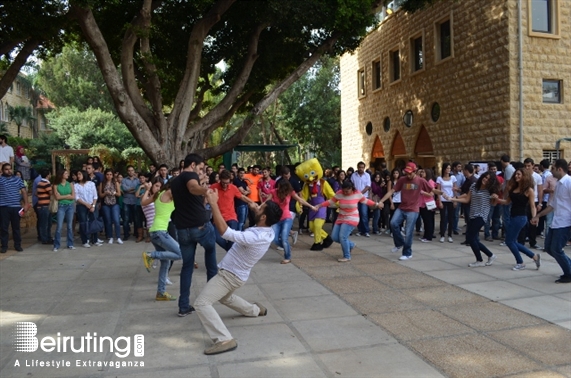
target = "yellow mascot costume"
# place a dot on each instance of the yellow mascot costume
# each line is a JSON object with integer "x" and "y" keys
{"x": 315, "y": 191}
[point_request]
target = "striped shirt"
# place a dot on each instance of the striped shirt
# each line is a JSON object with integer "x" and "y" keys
{"x": 149, "y": 211}
{"x": 348, "y": 211}
{"x": 43, "y": 192}
{"x": 479, "y": 203}
{"x": 10, "y": 187}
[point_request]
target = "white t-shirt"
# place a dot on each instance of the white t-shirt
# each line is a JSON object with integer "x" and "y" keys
{"x": 537, "y": 180}
{"x": 6, "y": 152}
{"x": 446, "y": 186}
{"x": 561, "y": 203}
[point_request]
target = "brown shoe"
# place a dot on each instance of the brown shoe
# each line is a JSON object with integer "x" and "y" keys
{"x": 221, "y": 347}
{"x": 263, "y": 310}
{"x": 140, "y": 235}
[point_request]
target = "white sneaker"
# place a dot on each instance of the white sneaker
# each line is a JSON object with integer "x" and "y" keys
{"x": 294, "y": 237}
{"x": 491, "y": 260}
{"x": 110, "y": 241}
{"x": 403, "y": 257}
{"x": 55, "y": 249}
{"x": 168, "y": 281}
{"x": 99, "y": 241}
{"x": 155, "y": 264}
{"x": 98, "y": 244}
{"x": 396, "y": 249}
{"x": 312, "y": 234}
{"x": 87, "y": 245}
{"x": 450, "y": 239}
{"x": 72, "y": 247}
{"x": 119, "y": 241}
{"x": 442, "y": 239}
{"x": 280, "y": 249}
{"x": 476, "y": 264}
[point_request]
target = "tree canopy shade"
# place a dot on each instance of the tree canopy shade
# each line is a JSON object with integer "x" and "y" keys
{"x": 167, "y": 52}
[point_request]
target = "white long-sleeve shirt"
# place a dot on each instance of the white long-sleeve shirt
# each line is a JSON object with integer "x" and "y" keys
{"x": 87, "y": 193}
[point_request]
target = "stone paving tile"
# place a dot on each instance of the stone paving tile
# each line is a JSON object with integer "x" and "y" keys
{"x": 547, "y": 307}
{"x": 440, "y": 296}
{"x": 490, "y": 316}
{"x": 294, "y": 289}
{"x": 347, "y": 285}
{"x": 198, "y": 371}
{"x": 385, "y": 267}
{"x": 297, "y": 366}
{"x": 473, "y": 356}
{"x": 324, "y": 306}
{"x": 385, "y": 301}
{"x": 500, "y": 290}
{"x": 429, "y": 265}
{"x": 322, "y": 260}
{"x": 460, "y": 276}
{"x": 565, "y": 370}
{"x": 340, "y": 270}
{"x": 410, "y": 280}
{"x": 548, "y": 343}
{"x": 419, "y": 324}
{"x": 539, "y": 374}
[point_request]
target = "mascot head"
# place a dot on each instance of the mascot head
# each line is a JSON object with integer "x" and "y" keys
{"x": 309, "y": 171}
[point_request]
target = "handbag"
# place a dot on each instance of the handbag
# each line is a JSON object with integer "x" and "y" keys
{"x": 431, "y": 205}
{"x": 53, "y": 205}
{"x": 94, "y": 226}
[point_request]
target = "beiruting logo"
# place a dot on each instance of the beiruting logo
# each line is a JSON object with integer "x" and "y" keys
{"x": 25, "y": 340}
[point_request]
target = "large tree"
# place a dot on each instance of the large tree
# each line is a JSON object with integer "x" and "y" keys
{"x": 167, "y": 52}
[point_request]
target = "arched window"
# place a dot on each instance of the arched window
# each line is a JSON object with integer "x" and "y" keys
{"x": 1, "y": 111}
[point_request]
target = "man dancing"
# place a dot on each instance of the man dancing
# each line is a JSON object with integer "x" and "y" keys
{"x": 234, "y": 269}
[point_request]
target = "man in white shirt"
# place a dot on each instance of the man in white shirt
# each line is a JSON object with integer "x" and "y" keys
{"x": 362, "y": 182}
{"x": 538, "y": 194}
{"x": 560, "y": 231}
{"x": 233, "y": 271}
{"x": 6, "y": 152}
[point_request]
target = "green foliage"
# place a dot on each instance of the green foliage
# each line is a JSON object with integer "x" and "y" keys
{"x": 73, "y": 79}
{"x": 19, "y": 115}
{"x": 4, "y": 128}
{"x": 40, "y": 149}
{"x": 82, "y": 130}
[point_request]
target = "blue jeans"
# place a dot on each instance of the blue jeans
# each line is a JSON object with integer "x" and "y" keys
{"x": 132, "y": 215}
{"x": 506, "y": 217}
{"x": 44, "y": 223}
{"x": 472, "y": 237}
{"x": 457, "y": 218}
{"x": 166, "y": 249}
{"x": 548, "y": 221}
{"x": 363, "y": 218}
{"x": 64, "y": 212}
{"x": 281, "y": 238}
{"x": 340, "y": 234}
{"x": 515, "y": 226}
{"x": 398, "y": 217}
{"x": 554, "y": 242}
{"x": 188, "y": 238}
{"x": 83, "y": 216}
{"x": 242, "y": 213}
{"x": 111, "y": 218}
{"x": 493, "y": 222}
{"x": 226, "y": 244}
{"x": 376, "y": 217}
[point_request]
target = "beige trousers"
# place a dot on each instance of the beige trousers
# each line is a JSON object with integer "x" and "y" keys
{"x": 220, "y": 288}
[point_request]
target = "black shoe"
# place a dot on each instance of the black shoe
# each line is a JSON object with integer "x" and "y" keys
{"x": 4, "y": 250}
{"x": 564, "y": 279}
{"x": 455, "y": 232}
{"x": 182, "y": 314}
{"x": 48, "y": 242}
{"x": 19, "y": 249}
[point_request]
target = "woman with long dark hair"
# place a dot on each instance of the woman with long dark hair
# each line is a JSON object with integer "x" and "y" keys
{"x": 86, "y": 200}
{"x": 340, "y": 178}
{"x": 395, "y": 200}
{"x": 520, "y": 194}
{"x": 426, "y": 213}
{"x": 447, "y": 184}
{"x": 377, "y": 183}
{"x": 64, "y": 193}
{"x": 110, "y": 191}
{"x": 282, "y": 196}
{"x": 483, "y": 193}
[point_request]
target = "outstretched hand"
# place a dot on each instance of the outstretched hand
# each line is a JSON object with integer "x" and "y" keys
{"x": 212, "y": 196}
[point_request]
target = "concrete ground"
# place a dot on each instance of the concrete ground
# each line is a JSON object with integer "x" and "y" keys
{"x": 373, "y": 317}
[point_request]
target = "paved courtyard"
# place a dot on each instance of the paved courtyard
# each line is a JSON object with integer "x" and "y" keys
{"x": 431, "y": 316}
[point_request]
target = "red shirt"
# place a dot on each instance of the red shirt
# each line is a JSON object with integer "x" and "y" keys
{"x": 265, "y": 187}
{"x": 226, "y": 200}
{"x": 410, "y": 192}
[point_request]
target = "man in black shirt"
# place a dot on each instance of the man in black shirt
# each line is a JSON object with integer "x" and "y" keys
{"x": 464, "y": 189}
{"x": 192, "y": 221}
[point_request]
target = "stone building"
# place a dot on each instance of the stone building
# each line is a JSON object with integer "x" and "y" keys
{"x": 443, "y": 84}
{"x": 21, "y": 93}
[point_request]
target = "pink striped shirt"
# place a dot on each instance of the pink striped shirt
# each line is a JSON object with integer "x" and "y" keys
{"x": 348, "y": 212}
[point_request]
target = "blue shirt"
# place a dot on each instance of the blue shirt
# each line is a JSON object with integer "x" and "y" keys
{"x": 34, "y": 189}
{"x": 10, "y": 187}
{"x": 129, "y": 184}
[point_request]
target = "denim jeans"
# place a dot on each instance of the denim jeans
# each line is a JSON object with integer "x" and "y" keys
{"x": 340, "y": 234}
{"x": 281, "y": 238}
{"x": 554, "y": 242}
{"x": 446, "y": 218}
{"x": 515, "y": 227}
{"x": 44, "y": 223}
{"x": 506, "y": 217}
{"x": 363, "y": 218}
{"x": 456, "y": 218}
{"x": 493, "y": 222}
{"x": 131, "y": 216}
{"x": 472, "y": 237}
{"x": 83, "y": 216}
{"x": 111, "y": 218}
{"x": 226, "y": 244}
{"x": 242, "y": 213}
{"x": 188, "y": 238}
{"x": 376, "y": 217}
{"x": 548, "y": 221}
{"x": 9, "y": 216}
{"x": 166, "y": 249}
{"x": 398, "y": 217}
{"x": 64, "y": 212}
{"x": 428, "y": 220}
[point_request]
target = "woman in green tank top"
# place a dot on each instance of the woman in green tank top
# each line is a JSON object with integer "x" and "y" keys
{"x": 167, "y": 248}
{"x": 65, "y": 195}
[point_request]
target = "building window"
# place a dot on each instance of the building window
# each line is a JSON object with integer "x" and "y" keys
{"x": 387, "y": 124}
{"x": 435, "y": 112}
{"x": 394, "y": 64}
{"x": 444, "y": 39}
{"x": 417, "y": 53}
{"x": 18, "y": 90}
{"x": 369, "y": 128}
{"x": 552, "y": 91}
{"x": 408, "y": 118}
{"x": 361, "y": 82}
{"x": 550, "y": 155}
{"x": 543, "y": 18}
{"x": 376, "y": 70}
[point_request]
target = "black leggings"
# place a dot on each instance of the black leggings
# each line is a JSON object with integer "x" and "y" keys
{"x": 447, "y": 218}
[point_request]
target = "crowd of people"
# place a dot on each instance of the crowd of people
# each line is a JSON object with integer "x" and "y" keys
{"x": 244, "y": 210}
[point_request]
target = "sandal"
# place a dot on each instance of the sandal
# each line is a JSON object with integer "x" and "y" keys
{"x": 285, "y": 261}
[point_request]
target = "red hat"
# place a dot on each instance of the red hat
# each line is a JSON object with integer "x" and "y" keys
{"x": 410, "y": 167}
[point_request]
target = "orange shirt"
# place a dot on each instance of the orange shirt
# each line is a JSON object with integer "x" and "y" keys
{"x": 226, "y": 200}
{"x": 252, "y": 182}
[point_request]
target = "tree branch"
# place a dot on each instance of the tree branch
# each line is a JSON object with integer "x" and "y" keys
{"x": 21, "y": 59}
{"x": 199, "y": 102}
{"x": 226, "y": 117}
{"x": 7, "y": 47}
